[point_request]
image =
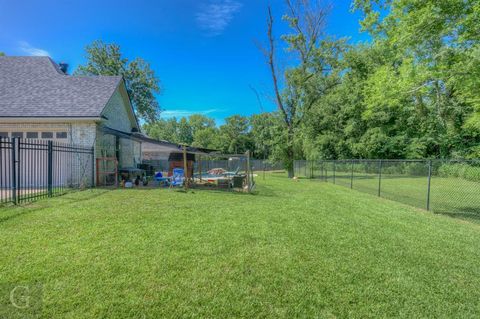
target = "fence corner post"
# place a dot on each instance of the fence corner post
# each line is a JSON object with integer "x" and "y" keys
{"x": 50, "y": 168}
{"x": 429, "y": 183}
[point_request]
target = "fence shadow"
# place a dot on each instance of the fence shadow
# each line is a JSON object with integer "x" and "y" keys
{"x": 11, "y": 211}
{"x": 465, "y": 213}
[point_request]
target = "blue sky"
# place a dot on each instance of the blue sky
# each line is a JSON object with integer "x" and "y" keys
{"x": 203, "y": 51}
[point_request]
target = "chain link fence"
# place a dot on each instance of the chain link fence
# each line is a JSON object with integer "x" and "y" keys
{"x": 445, "y": 186}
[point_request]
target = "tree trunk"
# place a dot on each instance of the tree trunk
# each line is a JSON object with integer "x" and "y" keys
{"x": 290, "y": 172}
{"x": 290, "y": 154}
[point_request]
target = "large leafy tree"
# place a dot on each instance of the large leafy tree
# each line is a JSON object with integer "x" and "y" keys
{"x": 142, "y": 83}
{"x": 429, "y": 81}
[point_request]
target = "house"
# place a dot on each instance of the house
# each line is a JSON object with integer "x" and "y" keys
{"x": 39, "y": 100}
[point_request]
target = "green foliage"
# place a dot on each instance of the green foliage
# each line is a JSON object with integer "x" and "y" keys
{"x": 198, "y": 130}
{"x": 466, "y": 171}
{"x": 413, "y": 92}
{"x": 141, "y": 82}
{"x": 2, "y": 54}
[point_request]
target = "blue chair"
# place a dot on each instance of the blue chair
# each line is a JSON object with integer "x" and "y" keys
{"x": 161, "y": 181}
{"x": 177, "y": 178}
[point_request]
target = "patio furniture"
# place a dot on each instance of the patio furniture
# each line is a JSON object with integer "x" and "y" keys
{"x": 238, "y": 181}
{"x": 178, "y": 177}
{"x": 160, "y": 180}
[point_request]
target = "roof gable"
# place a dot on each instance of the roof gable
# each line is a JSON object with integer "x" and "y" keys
{"x": 35, "y": 87}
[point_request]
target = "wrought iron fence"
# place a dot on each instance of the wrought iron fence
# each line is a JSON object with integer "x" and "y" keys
{"x": 445, "y": 186}
{"x": 32, "y": 169}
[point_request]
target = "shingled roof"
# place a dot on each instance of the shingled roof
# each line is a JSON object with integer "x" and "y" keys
{"x": 36, "y": 87}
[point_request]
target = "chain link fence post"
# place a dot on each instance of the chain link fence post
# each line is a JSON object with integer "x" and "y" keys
{"x": 380, "y": 164}
{"x": 429, "y": 183}
{"x": 351, "y": 177}
{"x": 334, "y": 170}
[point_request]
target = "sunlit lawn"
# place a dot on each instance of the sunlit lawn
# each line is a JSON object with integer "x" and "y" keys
{"x": 456, "y": 197}
{"x": 295, "y": 249}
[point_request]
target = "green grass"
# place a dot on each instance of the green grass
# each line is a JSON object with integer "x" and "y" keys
{"x": 456, "y": 197}
{"x": 295, "y": 249}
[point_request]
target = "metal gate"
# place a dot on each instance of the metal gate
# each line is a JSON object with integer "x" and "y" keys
{"x": 31, "y": 169}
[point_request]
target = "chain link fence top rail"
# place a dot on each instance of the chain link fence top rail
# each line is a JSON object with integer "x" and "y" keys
{"x": 450, "y": 187}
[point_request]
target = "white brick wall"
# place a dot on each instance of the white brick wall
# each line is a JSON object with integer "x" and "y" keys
{"x": 79, "y": 133}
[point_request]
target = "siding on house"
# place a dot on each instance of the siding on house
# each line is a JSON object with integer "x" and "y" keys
{"x": 118, "y": 116}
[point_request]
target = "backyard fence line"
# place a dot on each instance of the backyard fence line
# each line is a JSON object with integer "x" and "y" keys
{"x": 206, "y": 165}
{"x": 32, "y": 169}
{"x": 443, "y": 185}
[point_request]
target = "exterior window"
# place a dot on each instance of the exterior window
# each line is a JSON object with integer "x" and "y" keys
{"x": 32, "y": 134}
{"x": 3, "y": 134}
{"x": 47, "y": 134}
{"x": 17, "y": 134}
{"x": 61, "y": 134}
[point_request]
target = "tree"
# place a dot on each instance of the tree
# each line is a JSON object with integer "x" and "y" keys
{"x": 207, "y": 138}
{"x": 141, "y": 82}
{"x": 234, "y": 135}
{"x": 306, "y": 19}
{"x": 184, "y": 132}
{"x": 2, "y": 54}
{"x": 265, "y": 130}
{"x": 199, "y": 122}
{"x": 429, "y": 84}
{"x": 162, "y": 130}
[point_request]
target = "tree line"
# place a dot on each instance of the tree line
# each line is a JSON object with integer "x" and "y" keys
{"x": 411, "y": 91}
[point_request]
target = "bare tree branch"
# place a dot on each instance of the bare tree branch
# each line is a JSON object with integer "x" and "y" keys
{"x": 272, "y": 64}
{"x": 259, "y": 100}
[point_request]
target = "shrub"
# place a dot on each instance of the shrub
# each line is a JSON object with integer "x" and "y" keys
{"x": 466, "y": 171}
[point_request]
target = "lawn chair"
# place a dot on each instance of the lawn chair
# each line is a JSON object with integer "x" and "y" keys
{"x": 160, "y": 180}
{"x": 178, "y": 177}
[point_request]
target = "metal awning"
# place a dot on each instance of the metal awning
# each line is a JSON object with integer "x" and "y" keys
{"x": 166, "y": 147}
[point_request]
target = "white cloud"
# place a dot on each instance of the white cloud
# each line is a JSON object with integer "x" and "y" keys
{"x": 215, "y": 16}
{"x": 26, "y": 48}
{"x": 186, "y": 113}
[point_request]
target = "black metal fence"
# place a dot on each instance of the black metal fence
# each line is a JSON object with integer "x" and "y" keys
{"x": 32, "y": 169}
{"x": 445, "y": 186}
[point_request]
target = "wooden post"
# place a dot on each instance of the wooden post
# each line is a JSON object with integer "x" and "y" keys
{"x": 185, "y": 167}
{"x": 200, "y": 167}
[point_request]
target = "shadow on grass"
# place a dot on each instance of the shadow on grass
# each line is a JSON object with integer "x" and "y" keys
{"x": 13, "y": 211}
{"x": 471, "y": 214}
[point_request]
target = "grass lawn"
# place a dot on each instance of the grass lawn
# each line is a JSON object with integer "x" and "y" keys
{"x": 456, "y": 197}
{"x": 295, "y": 249}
